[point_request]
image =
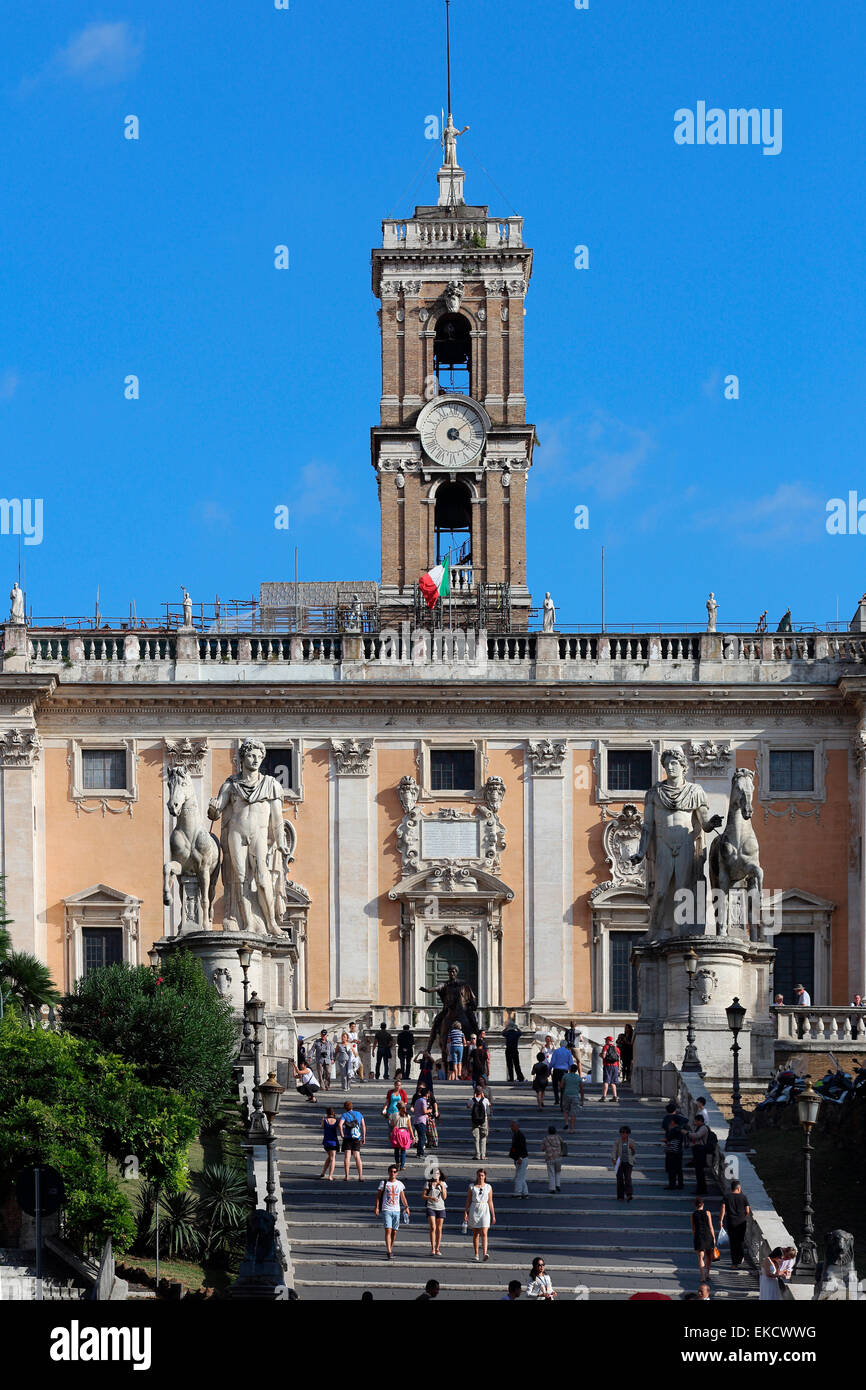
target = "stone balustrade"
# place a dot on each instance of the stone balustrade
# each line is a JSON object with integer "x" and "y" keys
{"x": 818, "y": 1026}
{"x": 490, "y": 232}
{"x": 402, "y": 653}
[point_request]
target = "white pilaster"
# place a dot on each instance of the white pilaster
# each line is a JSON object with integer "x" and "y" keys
{"x": 549, "y": 875}
{"x": 354, "y": 918}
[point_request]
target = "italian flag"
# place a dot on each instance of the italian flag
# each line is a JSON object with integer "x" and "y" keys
{"x": 436, "y": 583}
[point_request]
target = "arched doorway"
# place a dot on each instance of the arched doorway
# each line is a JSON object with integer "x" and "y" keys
{"x": 446, "y": 951}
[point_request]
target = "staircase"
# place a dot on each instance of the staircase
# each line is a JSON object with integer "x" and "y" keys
{"x": 593, "y": 1245}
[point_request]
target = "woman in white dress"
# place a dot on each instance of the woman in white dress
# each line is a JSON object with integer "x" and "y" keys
{"x": 479, "y": 1213}
{"x": 769, "y": 1289}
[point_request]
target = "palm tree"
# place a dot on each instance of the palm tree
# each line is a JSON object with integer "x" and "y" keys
{"x": 26, "y": 980}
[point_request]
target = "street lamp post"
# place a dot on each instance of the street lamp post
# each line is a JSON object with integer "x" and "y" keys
{"x": 270, "y": 1092}
{"x": 153, "y": 959}
{"x": 808, "y": 1105}
{"x": 258, "y": 1132}
{"x": 737, "y": 1130}
{"x": 691, "y": 1061}
{"x": 245, "y": 955}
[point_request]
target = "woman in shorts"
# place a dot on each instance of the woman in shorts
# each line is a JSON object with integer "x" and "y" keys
{"x": 456, "y": 1044}
{"x": 435, "y": 1195}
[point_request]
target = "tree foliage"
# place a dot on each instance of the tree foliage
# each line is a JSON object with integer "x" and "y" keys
{"x": 174, "y": 1027}
{"x": 64, "y": 1102}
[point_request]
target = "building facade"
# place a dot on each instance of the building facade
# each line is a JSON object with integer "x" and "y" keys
{"x": 458, "y": 787}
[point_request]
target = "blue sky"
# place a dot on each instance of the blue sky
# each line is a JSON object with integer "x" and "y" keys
{"x": 258, "y": 387}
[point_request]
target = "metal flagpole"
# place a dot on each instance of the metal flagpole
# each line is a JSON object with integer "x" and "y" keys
{"x": 448, "y": 48}
{"x": 602, "y": 588}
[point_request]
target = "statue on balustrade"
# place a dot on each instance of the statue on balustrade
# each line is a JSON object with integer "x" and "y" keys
{"x": 675, "y": 822}
{"x": 254, "y": 844}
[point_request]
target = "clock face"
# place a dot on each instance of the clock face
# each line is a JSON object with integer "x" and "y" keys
{"x": 452, "y": 433}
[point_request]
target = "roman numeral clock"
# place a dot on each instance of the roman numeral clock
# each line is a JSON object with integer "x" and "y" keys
{"x": 453, "y": 431}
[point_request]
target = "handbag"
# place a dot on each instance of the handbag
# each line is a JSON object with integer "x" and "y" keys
{"x": 716, "y": 1254}
{"x": 563, "y": 1148}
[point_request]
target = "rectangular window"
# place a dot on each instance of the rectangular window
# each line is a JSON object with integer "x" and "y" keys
{"x": 104, "y": 769}
{"x": 629, "y": 769}
{"x": 102, "y": 947}
{"x": 792, "y": 771}
{"x": 623, "y": 975}
{"x": 452, "y": 769}
{"x": 280, "y": 763}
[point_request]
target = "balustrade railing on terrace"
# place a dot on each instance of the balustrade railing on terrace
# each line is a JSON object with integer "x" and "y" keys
{"x": 839, "y": 1024}
{"x": 490, "y": 232}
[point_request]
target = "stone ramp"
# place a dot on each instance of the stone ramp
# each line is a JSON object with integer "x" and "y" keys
{"x": 593, "y": 1245}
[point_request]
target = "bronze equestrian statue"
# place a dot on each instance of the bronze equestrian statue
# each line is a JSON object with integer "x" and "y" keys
{"x": 458, "y": 1006}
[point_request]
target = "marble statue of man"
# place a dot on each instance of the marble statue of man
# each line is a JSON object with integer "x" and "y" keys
{"x": 549, "y": 614}
{"x": 712, "y": 610}
{"x": 187, "y": 610}
{"x": 17, "y": 597}
{"x": 252, "y": 803}
{"x": 676, "y": 815}
{"x": 449, "y": 141}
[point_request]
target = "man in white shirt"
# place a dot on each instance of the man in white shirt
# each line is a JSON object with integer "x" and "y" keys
{"x": 390, "y": 1196}
{"x": 801, "y": 997}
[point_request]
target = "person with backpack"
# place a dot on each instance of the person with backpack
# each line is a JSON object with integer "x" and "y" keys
{"x": 551, "y": 1147}
{"x": 622, "y": 1156}
{"x": 353, "y": 1136}
{"x": 674, "y": 1127}
{"x": 610, "y": 1060}
{"x": 540, "y": 1077}
{"x": 390, "y": 1196}
{"x": 480, "y": 1108}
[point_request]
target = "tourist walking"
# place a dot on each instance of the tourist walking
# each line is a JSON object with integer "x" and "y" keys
{"x": 344, "y": 1059}
{"x": 402, "y": 1134}
{"x": 432, "y": 1121}
{"x": 435, "y": 1196}
{"x": 456, "y": 1044}
{"x": 699, "y": 1139}
{"x": 308, "y": 1083}
{"x": 625, "y": 1043}
{"x": 420, "y": 1118}
{"x": 480, "y": 1112}
{"x": 353, "y": 1137}
{"x": 405, "y": 1050}
{"x": 548, "y": 1049}
{"x": 560, "y": 1061}
{"x": 425, "y": 1073}
{"x": 480, "y": 1061}
{"x": 330, "y": 1141}
{"x": 673, "y": 1146}
{"x": 358, "y": 1064}
{"x": 512, "y": 1035}
{"x": 540, "y": 1078}
{"x": 609, "y": 1068}
{"x": 572, "y": 1095}
{"x": 323, "y": 1056}
{"x": 392, "y": 1100}
{"x": 703, "y": 1237}
{"x": 479, "y": 1213}
{"x": 734, "y": 1218}
{"x": 540, "y": 1284}
{"x": 390, "y": 1197}
{"x": 551, "y": 1147}
{"x": 622, "y": 1156}
{"x": 519, "y": 1155}
{"x": 383, "y": 1043}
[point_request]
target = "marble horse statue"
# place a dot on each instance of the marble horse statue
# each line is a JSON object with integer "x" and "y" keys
{"x": 194, "y": 850}
{"x": 733, "y": 858}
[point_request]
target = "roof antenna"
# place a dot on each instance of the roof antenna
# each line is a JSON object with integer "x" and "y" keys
{"x": 450, "y": 176}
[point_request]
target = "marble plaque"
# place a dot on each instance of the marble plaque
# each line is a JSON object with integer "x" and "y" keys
{"x": 449, "y": 839}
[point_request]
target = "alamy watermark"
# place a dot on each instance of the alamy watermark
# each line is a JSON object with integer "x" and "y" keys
{"x": 736, "y": 126}
{"x": 22, "y": 516}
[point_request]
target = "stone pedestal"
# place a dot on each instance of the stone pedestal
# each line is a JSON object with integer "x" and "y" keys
{"x": 16, "y": 647}
{"x": 728, "y": 966}
{"x": 271, "y": 974}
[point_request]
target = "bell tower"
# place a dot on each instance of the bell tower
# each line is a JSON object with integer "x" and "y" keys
{"x": 452, "y": 450}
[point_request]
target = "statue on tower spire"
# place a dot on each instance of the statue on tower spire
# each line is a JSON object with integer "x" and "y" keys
{"x": 450, "y": 136}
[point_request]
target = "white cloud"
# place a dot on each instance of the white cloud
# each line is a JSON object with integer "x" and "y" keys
{"x": 598, "y": 453}
{"x": 791, "y": 512}
{"x": 99, "y": 54}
